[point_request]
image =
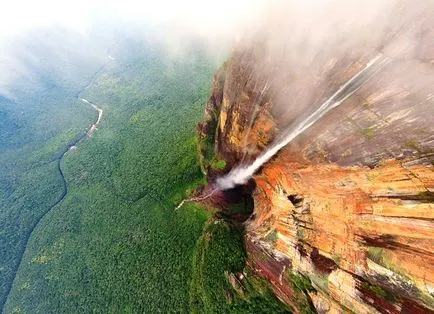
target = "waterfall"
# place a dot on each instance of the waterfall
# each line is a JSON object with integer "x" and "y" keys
{"x": 241, "y": 174}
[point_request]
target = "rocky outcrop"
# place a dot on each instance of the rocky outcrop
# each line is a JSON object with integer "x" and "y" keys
{"x": 364, "y": 237}
{"x": 343, "y": 216}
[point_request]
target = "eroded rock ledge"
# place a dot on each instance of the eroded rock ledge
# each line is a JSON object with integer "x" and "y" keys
{"x": 343, "y": 216}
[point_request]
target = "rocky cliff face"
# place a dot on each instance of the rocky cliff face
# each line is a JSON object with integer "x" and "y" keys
{"x": 343, "y": 216}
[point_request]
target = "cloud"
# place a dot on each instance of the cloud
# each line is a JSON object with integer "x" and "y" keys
{"x": 170, "y": 22}
{"x": 306, "y": 50}
{"x": 201, "y": 16}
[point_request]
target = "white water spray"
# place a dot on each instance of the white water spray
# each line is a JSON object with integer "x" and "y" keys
{"x": 241, "y": 174}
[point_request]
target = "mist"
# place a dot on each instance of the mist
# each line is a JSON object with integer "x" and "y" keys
{"x": 306, "y": 51}
{"x": 89, "y": 30}
{"x": 314, "y": 45}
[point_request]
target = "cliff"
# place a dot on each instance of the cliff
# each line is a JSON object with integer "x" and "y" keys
{"x": 343, "y": 215}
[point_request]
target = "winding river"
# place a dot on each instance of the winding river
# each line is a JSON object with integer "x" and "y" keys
{"x": 70, "y": 146}
{"x": 98, "y": 120}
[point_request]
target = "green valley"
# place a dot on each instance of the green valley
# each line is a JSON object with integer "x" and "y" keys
{"x": 114, "y": 243}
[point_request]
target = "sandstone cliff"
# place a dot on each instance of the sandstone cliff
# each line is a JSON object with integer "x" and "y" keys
{"x": 343, "y": 215}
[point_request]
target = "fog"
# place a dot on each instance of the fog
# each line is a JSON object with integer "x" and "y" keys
{"x": 305, "y": 51}
{"x": 65, "y": 29}
{"x": 298, "y": 29}
{"x": 308, "y": 43}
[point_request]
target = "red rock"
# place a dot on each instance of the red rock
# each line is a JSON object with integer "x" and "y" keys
{"x": 351, "y": 211}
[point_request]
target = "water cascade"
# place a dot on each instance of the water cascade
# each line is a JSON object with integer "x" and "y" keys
{"x": 241, "y": 174}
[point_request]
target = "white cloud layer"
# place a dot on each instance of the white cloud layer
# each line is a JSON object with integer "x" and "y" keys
{"x": 18, "y": 16}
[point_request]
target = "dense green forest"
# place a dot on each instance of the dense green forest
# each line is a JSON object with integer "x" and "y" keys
{"x": 114, "y": 243}
{"x": 219, "y": 258}
{"x": 37, "y": 123}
